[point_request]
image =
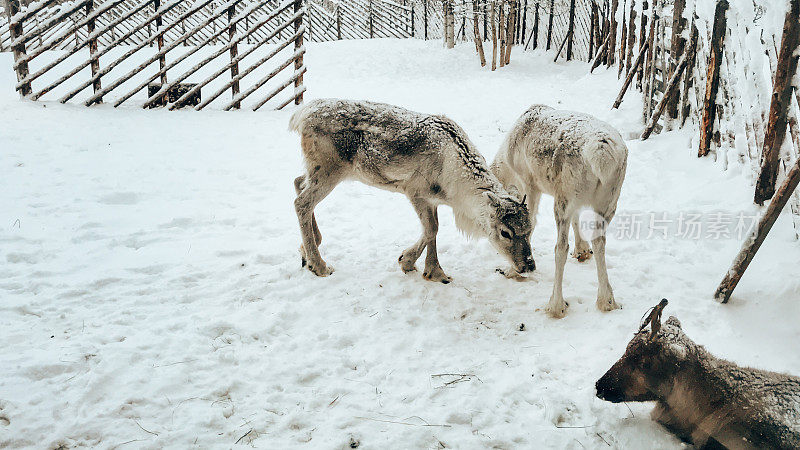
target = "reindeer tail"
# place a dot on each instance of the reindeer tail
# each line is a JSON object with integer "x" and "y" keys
{"x": 607, "y": 158}
{"x": 298, "y": 119}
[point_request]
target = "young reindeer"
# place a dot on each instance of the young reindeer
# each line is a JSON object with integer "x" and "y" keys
{"x": 580, "y": 161}
{"x": 704, "y": 400}
{"x": 428, "y": 158}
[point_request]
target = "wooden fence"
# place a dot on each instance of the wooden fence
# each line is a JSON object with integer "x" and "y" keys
{"x": 172, "y": 50}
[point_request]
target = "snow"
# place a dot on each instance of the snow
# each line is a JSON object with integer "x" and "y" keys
{"x": 151, "y": 293}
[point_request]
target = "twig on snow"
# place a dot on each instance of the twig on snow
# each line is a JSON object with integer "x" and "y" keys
{"x": 406, "y": 423}
{"x": 143, "y": 428}
{"x": 243, "y": 436}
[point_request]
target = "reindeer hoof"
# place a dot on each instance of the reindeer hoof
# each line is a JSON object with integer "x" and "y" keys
{"x": 557, "y": 311}
{"x": 321, "y": 271}
{"x": 582, "y": 256}
{"x": 436, "y": 275}
{"x": 607, "y": 305}
{"x": 405, "y": 267}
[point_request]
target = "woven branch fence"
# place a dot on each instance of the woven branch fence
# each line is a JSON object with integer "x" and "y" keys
{"x": 160, "y": 53}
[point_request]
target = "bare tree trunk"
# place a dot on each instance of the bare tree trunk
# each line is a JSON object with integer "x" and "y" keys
{"x": 511, "y": 29}
{"x": 712, "y": 79}
{"x": 779, "y": 107}
{"x": 449, "y": 24}
{"x": 678, "y": 45}
{"x": 494, "y": 38}
{"x": 502, "y": 32}
{"x": 612, "y": 43}
{"x": 477, "y": 34}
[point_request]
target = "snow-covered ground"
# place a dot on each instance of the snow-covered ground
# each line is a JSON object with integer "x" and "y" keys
{"x": 151, "y": 293}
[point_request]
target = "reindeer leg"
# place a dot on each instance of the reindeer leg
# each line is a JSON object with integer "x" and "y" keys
{"x": 582, "y": 250}
{"x": 605, "y": 296}
{"x": 298, "y": 186}
{"x": 430, "y": 226}
{"x": 557, "y": 307}
{"x": 316, "y": 187}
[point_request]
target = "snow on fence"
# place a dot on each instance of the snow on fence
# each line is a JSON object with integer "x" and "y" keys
{"x": 62, "y": 49}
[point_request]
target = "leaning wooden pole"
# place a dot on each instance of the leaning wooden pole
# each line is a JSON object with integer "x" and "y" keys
{"x": 550, "y": 25}
{"x": 598, "y": 60}
{"x": 631, "y": 73}
{"x": 672, "y": 87}
{"x": 758, "y": 234}
{"x": 712, "y": 79}
{"x": 779, "y": 106}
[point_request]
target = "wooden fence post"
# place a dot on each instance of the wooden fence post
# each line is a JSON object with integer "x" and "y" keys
{"x": 712, "y": 78}
{"x": 779, "y": 106}
{"x": 677, "y": 48}
{"x": 642, "y": 41}
{"x": 449, "y": 24}
{"x": 631, "y": 36}
{"x": 524, "y": 21}
{"x": 162, "y": 60}
{"x": 370, "y": 20}
{"x": 338, "y": 22}
{"x": 550, "y": 26}
{"x": 234, "y": 52}
{"x": 425, "y": 17}
{"x": 12, "y": 7}
{"x": 689, "y": 79}
{"x": 571, "y": 32}
{"x": 501, "y": 32}
{"x": 623, "y": 42}
{"x": 95, "y": 64}
{"x": 612, "y": 43}
{"x": 298, "y": 44}
{"x": 536, "y": 26}
{"x": 757, "y": 235}
{"x": 412, "y": 20}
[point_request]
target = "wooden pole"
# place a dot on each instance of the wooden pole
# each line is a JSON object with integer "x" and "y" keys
{"x": 536, "y": 26}
{"x": 671, "y": 88}
{"x": 571, "y": 32}
{"x": 678, "y": 45}
{"x": 524, "y": 22}
{"x": 95, "y": 64}
{"x": 631, "y": 72}
{"x": 477, "y": 34}
{"x": 550, "y": 26}
{"x": 592, "y": 20}
{"x": 631, "y": 36}
{"x": 712, "y": 78}
{"x": 598, "y": 59}
{"x": 15, "y": 28}
{"x": 449, "y": 24}
{"x": 425, "y": 18}
{"x": 757, "y": 235}
{"x": 162, "y": 60}
{"x": 234, "y": 51}
{"x": 779, "y": 106}
{"x": 612, "y": 43}
{"x": 689, "y": 78}
{"x": 642, "y": 40}
{"x": 369, "y": 12}
{"x": 623, "y": 42}
{"x": 298, "y": 45}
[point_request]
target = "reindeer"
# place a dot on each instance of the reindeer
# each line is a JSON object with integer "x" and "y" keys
{"x": 427, "y": 158}
{"x": 704, "y": 400}
{"x": 580, "y": 161}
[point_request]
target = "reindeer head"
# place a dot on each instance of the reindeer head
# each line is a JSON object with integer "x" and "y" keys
{"x": 649, "y": 364}
{"x": 510, "y": 230}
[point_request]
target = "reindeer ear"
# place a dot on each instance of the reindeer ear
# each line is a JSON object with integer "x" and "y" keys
{"x": 673, "y": 321}
{"x": 493, "y": 198}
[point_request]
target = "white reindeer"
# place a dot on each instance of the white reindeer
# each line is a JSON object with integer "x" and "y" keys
{"x": 580, "y": 161}
{"x": 427, "y": 158}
